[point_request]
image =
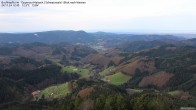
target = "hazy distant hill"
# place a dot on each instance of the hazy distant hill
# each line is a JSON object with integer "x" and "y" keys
{"x": 109, "y": 39}
{"x": 141, "y": 45}
{"x": 46, "y": 37}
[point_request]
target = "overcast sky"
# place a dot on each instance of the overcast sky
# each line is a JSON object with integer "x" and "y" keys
{"x": 134, "y": 16}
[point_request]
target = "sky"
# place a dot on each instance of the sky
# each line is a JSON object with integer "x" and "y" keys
{"x": 128, "y": 16}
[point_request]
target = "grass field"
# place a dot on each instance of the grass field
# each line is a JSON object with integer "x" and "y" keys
{"x": 56, "y": 91}
{"x": 117, "y": 78}
{"x": 107, "y": 70}
{"x": 71, "y": 69}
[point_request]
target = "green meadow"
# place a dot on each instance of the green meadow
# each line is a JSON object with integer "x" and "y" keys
{"x": 56, "y": 91}
{"x": 107, "y": 70}
{"x": 72, "y": 69}
{"x": 117, "y": 78}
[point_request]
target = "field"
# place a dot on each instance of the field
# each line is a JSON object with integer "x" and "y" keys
{"x": 56, "y": 91}
{"x": 104, "y": 72}
{"x": 117, "y": 78}
{"x": 71, "y": 69}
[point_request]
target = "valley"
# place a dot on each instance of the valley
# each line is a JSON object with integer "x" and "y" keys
{"x": 76, "y": 70}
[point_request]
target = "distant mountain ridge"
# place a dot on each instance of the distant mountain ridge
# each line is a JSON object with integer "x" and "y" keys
{"x": 45, "y": 37}
{"x": 75, "y": 37}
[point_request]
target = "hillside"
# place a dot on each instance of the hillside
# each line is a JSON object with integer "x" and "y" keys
{"x": 32, "y": 56}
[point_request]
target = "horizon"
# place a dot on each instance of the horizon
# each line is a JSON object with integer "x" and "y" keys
{"x": 113, "y": 32}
